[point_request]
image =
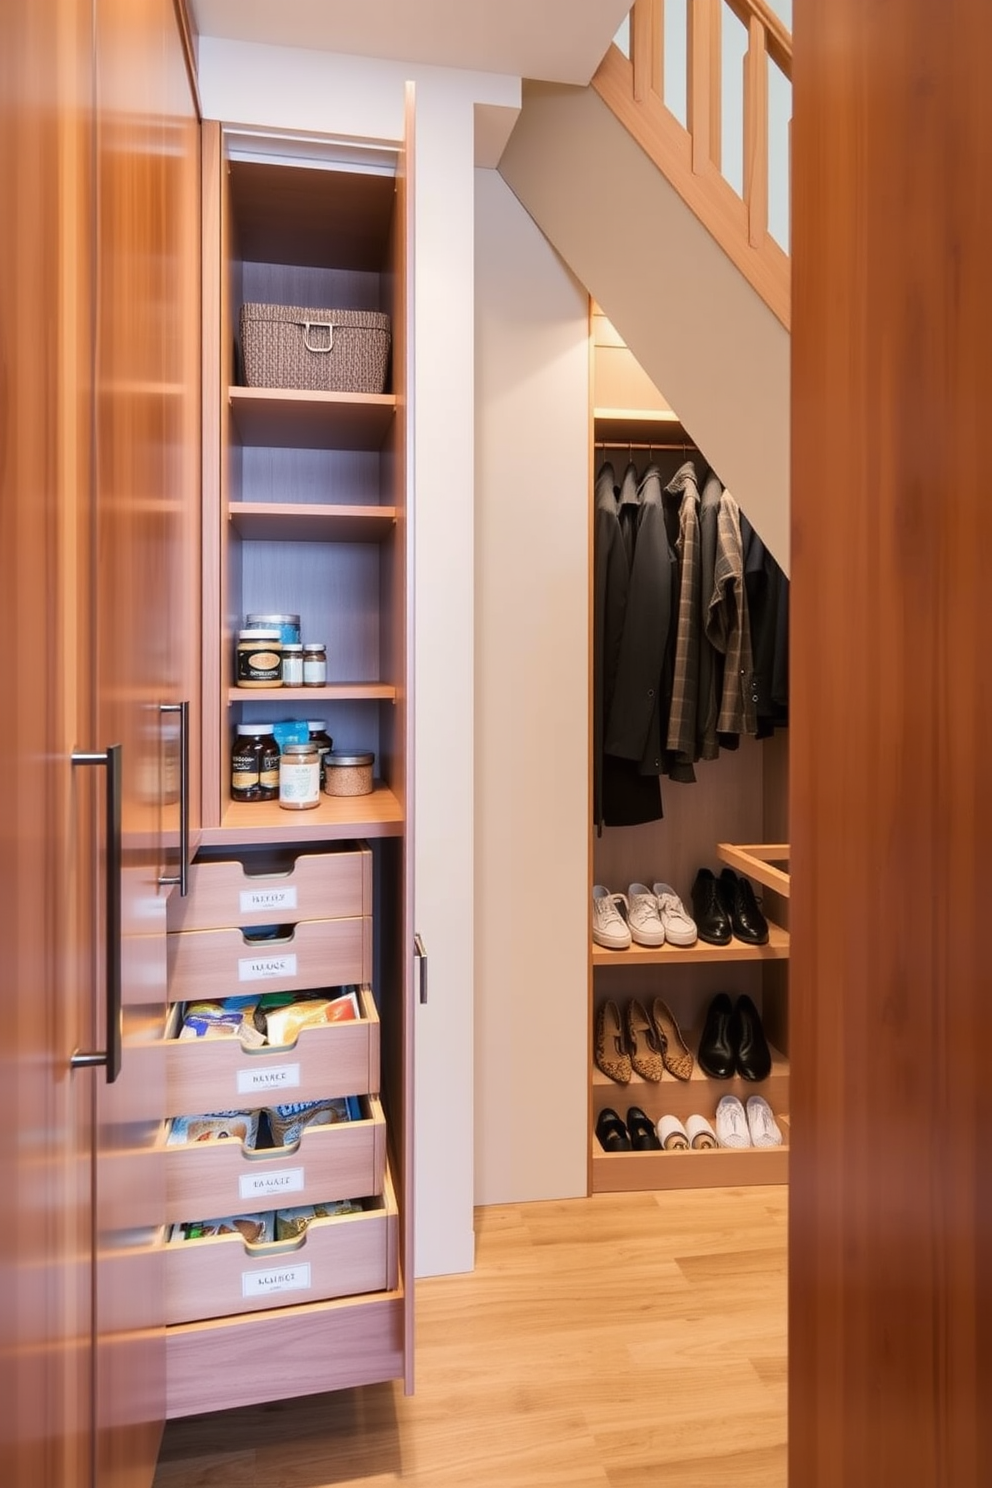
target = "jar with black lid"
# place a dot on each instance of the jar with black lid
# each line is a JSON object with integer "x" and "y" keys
{"x": 255, "y": 764}
{"x": 323, "y": 741}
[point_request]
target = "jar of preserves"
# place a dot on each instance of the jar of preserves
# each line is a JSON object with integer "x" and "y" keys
{"x": 259, "y": 659}
{"x": 299, "y": 777}
{"x": 314, "y": 664}
{"x": 292, "y": 664}
{"x": 255, "y": 764}
{"x": 323, "y": 741}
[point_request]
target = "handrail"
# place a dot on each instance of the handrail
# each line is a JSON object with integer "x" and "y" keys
{"x": 690, "y": 155}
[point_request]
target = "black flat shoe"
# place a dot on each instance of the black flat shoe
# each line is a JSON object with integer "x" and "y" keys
{"x": 643, "y": 1137}
{"x": 708, "y": 910}
{"x": 752, "y": 1054}
{"x": 611, "y": 1132}
{"x": 737, "y": 898}
{"x": 716, "y": 1055}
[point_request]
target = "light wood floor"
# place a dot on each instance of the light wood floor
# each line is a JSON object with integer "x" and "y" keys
{"x": 619, "y": 1341}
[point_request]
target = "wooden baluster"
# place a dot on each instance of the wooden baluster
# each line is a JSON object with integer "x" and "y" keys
{"x": 756, "y": 133}
{"x": 646, "y": 34}
{"x": 704, "y": 83}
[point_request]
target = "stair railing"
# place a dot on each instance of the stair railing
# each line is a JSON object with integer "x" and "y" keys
{"x": 722, "y": 115}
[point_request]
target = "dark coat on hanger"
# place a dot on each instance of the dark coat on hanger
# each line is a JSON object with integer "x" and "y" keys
{"x": 611, "y": 580}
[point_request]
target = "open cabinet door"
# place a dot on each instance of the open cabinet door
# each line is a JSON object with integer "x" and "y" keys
{"x": 146, "y": 463}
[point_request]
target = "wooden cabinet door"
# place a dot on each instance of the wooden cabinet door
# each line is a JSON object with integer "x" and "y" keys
{"x": 146, "y": 467}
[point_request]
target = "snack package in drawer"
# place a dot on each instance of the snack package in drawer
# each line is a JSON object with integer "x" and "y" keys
{"x": 291, "y": 1223}
{"x": 256, "y": 1229}
{"x": 213, "y": 1127}
{"x": 287, "y": 1122}
{"x": 285, "y": 1014}
{"x": 228, "y": 1017}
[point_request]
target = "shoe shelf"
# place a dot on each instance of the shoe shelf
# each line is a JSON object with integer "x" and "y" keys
{"x": 777, "y": 949}
{"x": 758, "y": 860}
{"x": 715, "y": 1167}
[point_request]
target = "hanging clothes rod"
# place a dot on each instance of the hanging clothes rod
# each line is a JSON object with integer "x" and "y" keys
{"x": 628, "y": 444}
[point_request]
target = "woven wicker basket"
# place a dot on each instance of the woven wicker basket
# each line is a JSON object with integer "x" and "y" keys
{"x": 328, "y": 351}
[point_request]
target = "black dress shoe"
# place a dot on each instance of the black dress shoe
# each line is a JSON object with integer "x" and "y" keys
{"x": 643, "y": 1137}
{"x": 613, "y": 1135}
{"x": 746, "y": 919}
{"x": 751, "y": 1052}
{"x": 717, "y": 1057}
{"x": 710, "y": 914}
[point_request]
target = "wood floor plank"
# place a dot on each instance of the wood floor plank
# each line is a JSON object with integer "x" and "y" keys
{"x": 611, "y": 1342}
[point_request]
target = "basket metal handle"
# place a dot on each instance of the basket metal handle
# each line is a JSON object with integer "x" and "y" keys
{"x": 325, "y": 325}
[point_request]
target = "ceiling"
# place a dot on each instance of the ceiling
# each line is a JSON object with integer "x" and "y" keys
{"x": 559, "y": 41}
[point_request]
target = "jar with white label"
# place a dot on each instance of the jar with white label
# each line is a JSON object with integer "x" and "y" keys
{"x": 315, "y": 664}
{"x": 299, "y": 777}
{"x": 292, "y": 664}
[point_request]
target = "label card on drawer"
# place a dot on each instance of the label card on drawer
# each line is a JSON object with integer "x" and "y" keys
{"x": 281, "y": 1279}
{"x": 271, "y": 1185}
{"x": 261, "y": 968}
{"x": 255, "y": 900}
{"x": 270, "y": 1077}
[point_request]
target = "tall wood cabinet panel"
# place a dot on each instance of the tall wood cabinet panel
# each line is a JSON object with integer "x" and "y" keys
{"x": 740, "y": 797}
{"x": 305, "y": 512}
{"x": 99, "y": 329}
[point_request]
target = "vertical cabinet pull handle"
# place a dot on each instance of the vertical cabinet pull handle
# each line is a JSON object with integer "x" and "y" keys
{"x": 420, "y": 951}
{"x": 110, "y": 1057}
{"x": 182, "y": 877}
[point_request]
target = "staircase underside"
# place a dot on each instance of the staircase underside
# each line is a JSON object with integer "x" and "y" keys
{"x": 710, "y": 345}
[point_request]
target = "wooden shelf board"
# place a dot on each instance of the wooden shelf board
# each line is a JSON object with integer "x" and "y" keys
{"x": 334, "y": 692}
{"x": 640, "y": 426}
{"x": 701, "y": 1090}
{"x": 718, "y": 1167}
{"x": 777, "y": 949}
{"x": 280, "y": 521}
{"x": 757, "y": 860}
{"x": 379, "y": 814}
{"x": 283, "y": 418}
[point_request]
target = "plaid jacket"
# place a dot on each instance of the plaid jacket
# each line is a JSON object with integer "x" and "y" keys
{"x": 685, "y": 677}
{"x": 727, "y": 624}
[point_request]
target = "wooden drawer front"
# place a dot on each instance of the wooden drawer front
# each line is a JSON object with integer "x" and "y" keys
{"x": 227, "y": 892}
{"x": 316, "y": 953}
{"x": 205, "y": 1075}
{"x": 209, "y": 1179}
{"x": 343, "y": 1257}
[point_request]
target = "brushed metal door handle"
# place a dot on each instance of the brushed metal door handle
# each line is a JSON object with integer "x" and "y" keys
{"x": 112, "y": 761}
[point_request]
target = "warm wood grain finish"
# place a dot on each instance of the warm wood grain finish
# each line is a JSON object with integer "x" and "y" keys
{"x": 310, "y": 953}
{"x": 777, "y": 949}
{"x": 257, "y": 888}
{"x": 611, "y": 1342}
{"x": 891, "y": 1345}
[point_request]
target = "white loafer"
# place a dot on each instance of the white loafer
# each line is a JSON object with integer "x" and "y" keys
{"x": 731, "y": 1123}
{"x": 700, "y": 1133}
{"x": 672, "y": 1134}
{"x": 761, "y": 1123}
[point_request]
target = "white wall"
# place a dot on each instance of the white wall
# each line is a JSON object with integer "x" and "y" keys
{"x": 532, "y": 812}
{"x": 286, "y": 88}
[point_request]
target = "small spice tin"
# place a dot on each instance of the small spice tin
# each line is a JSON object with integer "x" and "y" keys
{"x": 314, "y": 664}
{"x": 259, "y": 659}
{"x": 288, "y": 626}
{"x": 348, "y": 774}
{"x": 299, "y": 777}
{"x": 292, "y": 664}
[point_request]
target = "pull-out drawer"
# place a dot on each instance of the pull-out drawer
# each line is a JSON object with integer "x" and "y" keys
{"x": 206, "y": 1180}
{"x": 264, "y": 886}
{"x": 205, "y": 1075}
{"x": 341, "y": 1257}
{"x": 235, "y": 963}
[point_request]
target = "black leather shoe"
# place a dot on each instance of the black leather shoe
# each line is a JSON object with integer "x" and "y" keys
{"x": 710, "y": 914}
{"x": 643, "y": 1137}
{"x": 611, "y": 1132}
{"x": 717, "y": 1057}
{"x": 737, "y": 898}
{"x": 751, "y": 1052}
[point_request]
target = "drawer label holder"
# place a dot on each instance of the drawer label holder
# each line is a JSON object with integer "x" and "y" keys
{"x": 266, "y": 968}
{"x": 268, "y": 1077}
{"x": 294, "y": 1278}
{"x": 256, "y": 901}
{"x": 271, "y": 1185}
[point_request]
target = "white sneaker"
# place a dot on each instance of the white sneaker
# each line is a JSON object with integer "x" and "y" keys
{"x": 680, "y": 928}
{"x": 761, "y": 1123}
{"x": 731, "y": 1123}
{"x": 672, "y": 1134}
{"x": 700, "y": 1133}
{"x": 642, "y": 916}
{"x": 609, "y": 928}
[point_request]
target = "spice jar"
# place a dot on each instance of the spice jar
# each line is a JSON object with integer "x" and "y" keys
{"x": 292, "y": 664}
{"x": 323, "y": 741}
{"x": 288, "y": 626}
{"x": 259, "y": 659}
{"x": 299, "y": 777}
{"x": 255, "y": 764}
{"x": 315, "y": 664}
{"x": 348, "y": 774}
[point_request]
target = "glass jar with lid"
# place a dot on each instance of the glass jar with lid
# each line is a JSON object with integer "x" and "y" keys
{"x": 299, "y": 777}
{"x": 255, "y": 763}
{"x": 315, "y": 664}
